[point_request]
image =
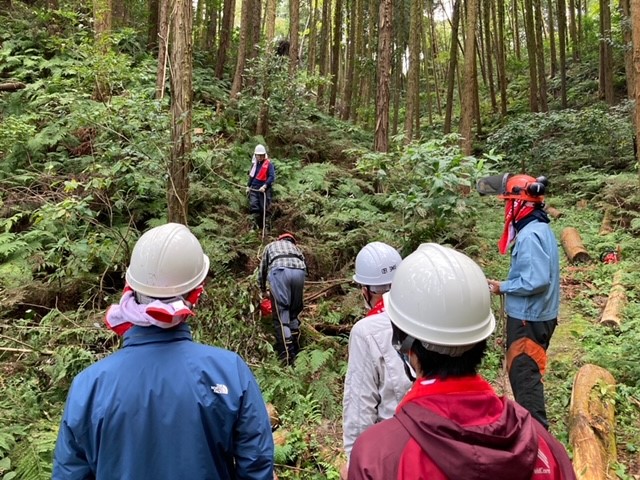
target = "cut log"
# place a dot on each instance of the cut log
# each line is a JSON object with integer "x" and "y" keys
{"x": 615, "y": 303}
{"x": 553, "y": 212}
{"x": 573, "y": 247}
{"x": 592, "y": 423}
{"x": 11, "y": 86}
{"x": 274, "y": 418}
{"x": 280, "y": 437}
{"x": 605, "y": 226}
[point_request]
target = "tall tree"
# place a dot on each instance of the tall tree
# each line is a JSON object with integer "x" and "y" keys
{"x": 413, "y": 74}
{"x": 635, "y": 26}
{"x": 488, "y": 8}
{"x": 152, "y": 31}
{"x": 228, "y": 13}
{"x": 575, "y": 51}
{"x": 498, "y": 28}
{"x": 625, "y": 24}
{"x": 294, "y": 35}
{"x": 529, "y": 26}
{"x": 453, "y": 62}
{"x": 351, "y": 60}
{"x": 552, "y": 39}
{"x": 467, "y": 107}
{"x": 515, "y": 28}
{"x": 313, "y": 34}
{"x": 243, "y": 47}
{"x": 335, "y": 55}
{"x": 385, "y": 35}
{"x": 163, "y": 47}
{"x": 605, "y": 88}
{"x": 102, "y": 28}
{"x": 181, "y": 48}
{"x": 562, "y": 51}
{"x": 325, "y": 36}
{"x": 270, "y": 19}
{"x": 542, "y": 79}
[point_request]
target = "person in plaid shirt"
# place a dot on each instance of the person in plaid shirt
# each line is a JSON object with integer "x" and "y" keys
{"x": 284, "y": 266}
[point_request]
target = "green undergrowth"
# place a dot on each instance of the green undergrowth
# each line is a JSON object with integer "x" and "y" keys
{"x": 81, "y": 179}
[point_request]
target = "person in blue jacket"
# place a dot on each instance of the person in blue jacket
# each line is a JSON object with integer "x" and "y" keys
{"x": 532, "y": 289}
{"x": 259, "y": 186}
{"x": 163, "y": 406}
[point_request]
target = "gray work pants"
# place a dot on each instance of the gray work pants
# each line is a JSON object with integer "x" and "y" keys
{"x": 287, "y": 287}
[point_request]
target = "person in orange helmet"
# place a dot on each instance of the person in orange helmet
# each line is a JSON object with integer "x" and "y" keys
{"x": 532, "y": 287}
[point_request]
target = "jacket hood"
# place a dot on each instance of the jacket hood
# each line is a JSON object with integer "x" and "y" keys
{"x": 505, "y": 448}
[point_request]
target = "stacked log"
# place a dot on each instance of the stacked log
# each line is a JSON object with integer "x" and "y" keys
{"x": 592, "y": 423}
{"x": 573, "y": 246}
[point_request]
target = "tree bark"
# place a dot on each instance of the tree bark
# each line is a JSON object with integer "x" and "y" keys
{"x": 102, "y": 28}
{"x": 488, "y": 8}
{"x": 606, "y": 54}
{"x": 453, "y": 62}
{"x": 335, "y": 55}
{"x": 592, "y": 423}
{"x": 351, "y": 60}
{"x": 562, "y": 51}
{"x": 625, "y": 25}
{"x": 467, "y": 106}
{"x": 294, "y": 29}
{"x": 152, "y": 31}
{"x": 270, "y": 20}
{"x": 635, "y": 23}
{"x": 228, "y": 14}
{"x": 542, "y": 78}
{"x": 163, "y": 47}
{"x": 531, "y": 54}
{"x": 181, "y": 105}
{"x": 313, "y": 37}
{"x": 243, "y": 48}
{"x": 516, "y": 29}
{"x": 325, "y": 35}
{"x": 572, "y": 31}
{"x": 385, "y": 35}
{"x": 500, "y": 54}
{"x": 552, "y": 39}
{"x": 413, "y": 74}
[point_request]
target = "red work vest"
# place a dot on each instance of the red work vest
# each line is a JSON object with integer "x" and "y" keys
{"x": 264, "y": 171}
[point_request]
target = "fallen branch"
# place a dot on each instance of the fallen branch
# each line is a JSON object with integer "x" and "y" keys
{"x": 25, "y": 350}
{"x": 332, "y": 329}
{"x": 11, "y": 86}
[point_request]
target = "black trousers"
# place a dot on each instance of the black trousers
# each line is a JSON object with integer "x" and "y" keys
{"x": 524, "y": 372}
{"x": 259, "y": 204}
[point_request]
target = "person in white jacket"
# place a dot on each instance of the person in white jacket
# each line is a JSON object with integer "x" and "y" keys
{"x": 376, "y": 380}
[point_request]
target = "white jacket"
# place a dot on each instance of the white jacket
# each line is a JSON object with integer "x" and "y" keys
{"x": 375, "y": 381}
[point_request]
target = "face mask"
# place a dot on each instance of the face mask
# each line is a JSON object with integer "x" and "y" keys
{"x": 408, "y": 369}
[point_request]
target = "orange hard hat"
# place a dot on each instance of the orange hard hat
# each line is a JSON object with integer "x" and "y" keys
{"x": 525, "y": 187}
{"x": 287, "y": 236}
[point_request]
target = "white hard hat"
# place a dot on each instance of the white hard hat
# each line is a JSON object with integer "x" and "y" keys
{"x": 260, "y": 150}
{"x": 167, "y": 261}
{"x": 376, "y": 264}
{"x": 440, "y": 297}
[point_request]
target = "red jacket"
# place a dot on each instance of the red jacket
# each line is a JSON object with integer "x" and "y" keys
{"x": 458, "y": 428}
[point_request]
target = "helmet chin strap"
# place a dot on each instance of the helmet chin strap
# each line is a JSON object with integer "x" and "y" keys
{"x": 403, "y": 351}
{"x": 367, "y": 297}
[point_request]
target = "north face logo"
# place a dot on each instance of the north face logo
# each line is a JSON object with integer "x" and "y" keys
{"x": 220, "y": 388}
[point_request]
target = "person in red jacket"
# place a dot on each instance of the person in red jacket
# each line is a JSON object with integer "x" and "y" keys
{"x": 451, "y": 424}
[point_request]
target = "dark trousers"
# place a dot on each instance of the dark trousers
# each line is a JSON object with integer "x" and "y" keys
{"x": 259, "y": 204}
{"x": 287, "y": 286}
{"x": 527, "y": 343}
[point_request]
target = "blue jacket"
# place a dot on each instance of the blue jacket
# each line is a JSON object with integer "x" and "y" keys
{"x": 165, "y": 407}
{"x": 533, "y": 284}
{"x": 256, "y": 183}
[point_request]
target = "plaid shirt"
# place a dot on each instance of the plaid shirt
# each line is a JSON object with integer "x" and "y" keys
{"x": 280, "y": 254}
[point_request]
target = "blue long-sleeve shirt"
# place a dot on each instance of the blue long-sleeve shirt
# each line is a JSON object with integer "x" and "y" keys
{"x": 165, "y": 407}
{"x": 532, "y": 287}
